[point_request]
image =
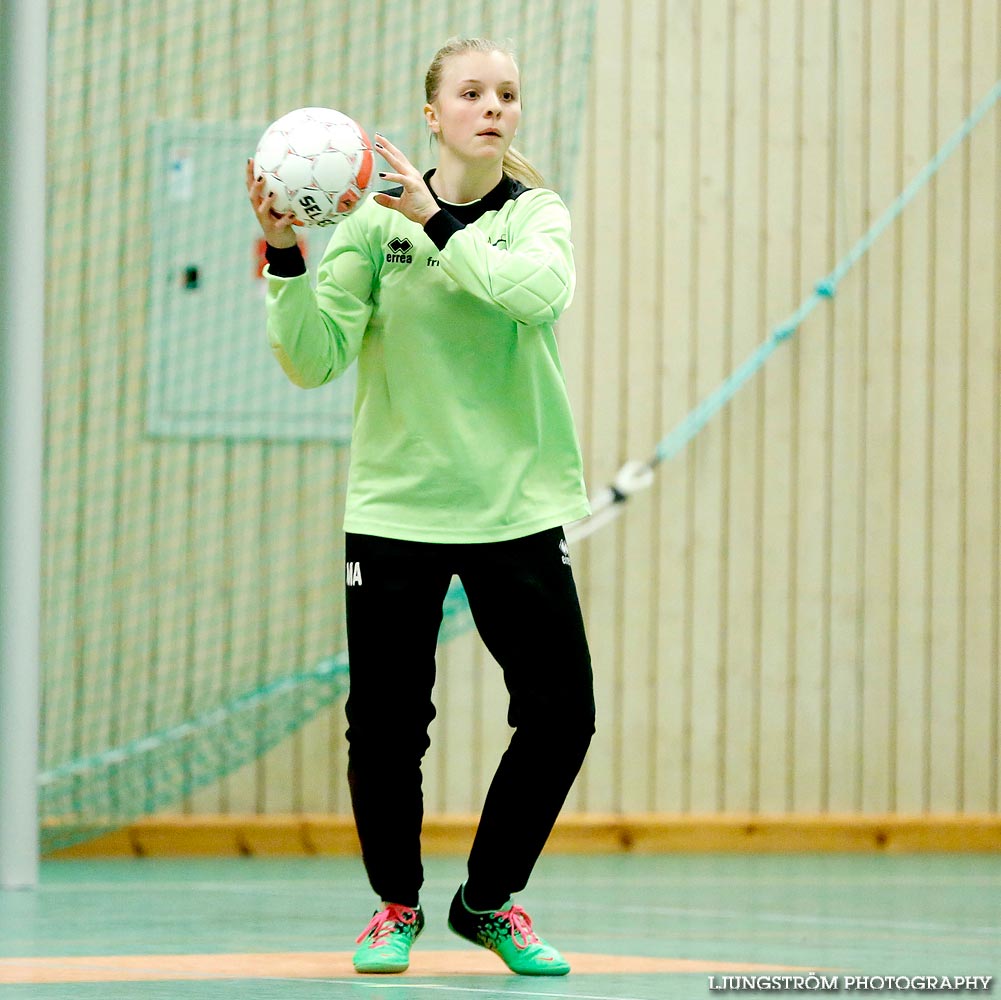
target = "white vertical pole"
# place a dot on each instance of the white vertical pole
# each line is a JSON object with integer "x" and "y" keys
{"x": 23, "y": 51}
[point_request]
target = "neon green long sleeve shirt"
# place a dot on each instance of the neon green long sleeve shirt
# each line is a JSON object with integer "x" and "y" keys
{"x": 462, "y": 426}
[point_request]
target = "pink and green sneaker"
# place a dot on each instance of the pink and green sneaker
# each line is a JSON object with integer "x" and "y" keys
{"x": 508, "y": 932}
{"x": 385, "y": 943}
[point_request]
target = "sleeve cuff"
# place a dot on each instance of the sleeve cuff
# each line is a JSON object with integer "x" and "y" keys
{"x": 285, "y": 262}
{"x": 441, "y": 227}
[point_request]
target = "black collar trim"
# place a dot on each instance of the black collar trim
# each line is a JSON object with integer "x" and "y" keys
{"x": 507, "y": 190}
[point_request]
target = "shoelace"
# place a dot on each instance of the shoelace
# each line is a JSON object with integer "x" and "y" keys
{"x": 384, "y": 923}
{"x": 520, "y": 923}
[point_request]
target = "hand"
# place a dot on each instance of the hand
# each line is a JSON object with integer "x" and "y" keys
{"x": 277, "y": 227}
{"x": 416, "y": 202}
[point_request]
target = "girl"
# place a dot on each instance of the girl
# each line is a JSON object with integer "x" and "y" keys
{"x": 464, "y": 460}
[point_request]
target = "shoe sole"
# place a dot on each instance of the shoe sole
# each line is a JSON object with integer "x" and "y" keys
{"x": 556, "y": 970}
{"x": 382, "y": 970}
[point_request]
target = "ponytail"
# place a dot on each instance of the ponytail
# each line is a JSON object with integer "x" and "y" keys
{"x": 517, "y": 167}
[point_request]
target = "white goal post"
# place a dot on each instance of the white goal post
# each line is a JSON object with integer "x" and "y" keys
{"x": 23, "y": 61}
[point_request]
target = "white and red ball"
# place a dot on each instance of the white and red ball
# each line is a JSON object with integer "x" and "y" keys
{"x": 318, "y": 162}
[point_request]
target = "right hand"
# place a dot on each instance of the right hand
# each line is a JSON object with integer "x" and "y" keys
{"x": 277, "y": 227}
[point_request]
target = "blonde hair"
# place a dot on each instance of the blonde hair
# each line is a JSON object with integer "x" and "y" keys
{"x": 514, "y": 164}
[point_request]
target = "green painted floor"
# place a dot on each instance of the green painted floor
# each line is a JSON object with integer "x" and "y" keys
{"x": 846, "y": 914}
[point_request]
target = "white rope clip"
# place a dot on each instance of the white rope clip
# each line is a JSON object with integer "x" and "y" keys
{"x": 607, "y": 505}
{"x": 631, "y": 478}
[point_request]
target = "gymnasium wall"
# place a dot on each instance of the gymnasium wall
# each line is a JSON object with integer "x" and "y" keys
{"x": 802, "y": 615}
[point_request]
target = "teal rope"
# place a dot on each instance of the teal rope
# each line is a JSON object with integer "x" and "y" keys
{"x": 826, "y": 288}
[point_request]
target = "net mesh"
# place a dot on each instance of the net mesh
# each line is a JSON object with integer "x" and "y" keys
{"x": 193, "y": 557}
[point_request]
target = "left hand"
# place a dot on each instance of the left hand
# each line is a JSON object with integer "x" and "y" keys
{"x": 415, "y": 202}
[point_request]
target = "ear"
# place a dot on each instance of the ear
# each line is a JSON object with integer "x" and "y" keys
{"x": 431, "y": 117}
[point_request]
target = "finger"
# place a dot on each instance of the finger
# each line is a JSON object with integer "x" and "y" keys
{"x": 259, "y": 199}
{"x": 393, "y": 159}
{"x": 268, "y": 205}
{"x": 256, "y": 183}
{"x": 264, "y": 209}
{"x": 389, "y": 152}
{"x": 387, "y": 201}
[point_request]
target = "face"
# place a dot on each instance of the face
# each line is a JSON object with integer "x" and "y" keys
{"x": 478, "y": 106}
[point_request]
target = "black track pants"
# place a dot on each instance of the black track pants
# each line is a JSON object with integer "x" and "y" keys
{"x": 524, "y": 602}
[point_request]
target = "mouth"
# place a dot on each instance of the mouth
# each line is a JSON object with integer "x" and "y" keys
{"x": 491, "y": 132}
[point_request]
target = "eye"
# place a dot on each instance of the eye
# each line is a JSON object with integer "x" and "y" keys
{"x": 510, "y": 96}
{"x": 471, "y": 94}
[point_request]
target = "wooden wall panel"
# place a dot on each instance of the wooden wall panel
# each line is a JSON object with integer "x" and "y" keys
{"x": 670, "y": 498}
{"x": 642, "y": 263}
{"x": 847, "y": 387}
{"x": 741, "y": 421}
{"x": 809, "y": 408}
{"x": 981, "y": 600}
{"x": 947, "y": 459}
{"x": 777, "y": 455}
{"x": 601, "y": 301}
{"x": 880, "y": 183}
{"x": 912, "y": 652}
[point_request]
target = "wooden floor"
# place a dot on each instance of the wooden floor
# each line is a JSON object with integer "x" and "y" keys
{"x": 640, "y": 927}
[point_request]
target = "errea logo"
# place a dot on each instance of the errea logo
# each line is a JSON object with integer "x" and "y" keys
{"x": 565, "y": 552}
{"x": 399, "y": 251}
